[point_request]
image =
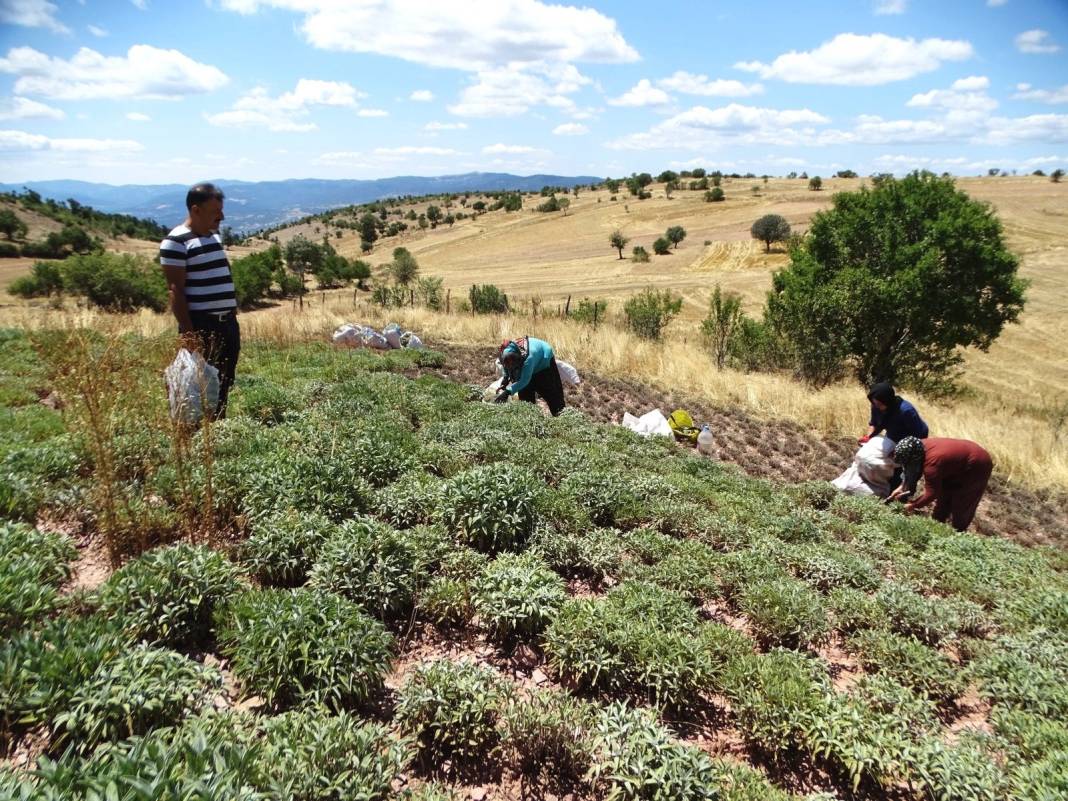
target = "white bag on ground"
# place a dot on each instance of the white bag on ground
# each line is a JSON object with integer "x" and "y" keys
{"x": 568, "y": 374}
{"x": 491, "y": 391}
{"x": 871, "y": 470}
{"x": 851, "y": 483}
{"x": 373, "y": 339}
{"x": 650, "y": 424}
{"x": 409, "y": 339}
{"x": 192, "y": 387}
{"x": 347, "y": 336}
{"x": 392, "y": 333}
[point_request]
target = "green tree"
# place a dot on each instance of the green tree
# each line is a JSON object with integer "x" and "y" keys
{"x": 512, "y": 201}
{"x": 675, "y": 234}
{"x": 368, "y": 228}
{"x": 899, "y": 278}
{"x": 770, "y": 228}
{"x": 1056, "y": 175}
{"x": 724, "y": 315}
{"x": 667, "y": 177}
{"x": 404, "y": 268}
{"x": 662, "y": 246}
{"x": 618, "y": 241}
{"x": 650, "y": 311}
{"x": 428, "y": 290}
{"x": 612, "y": 184}
{"x": 487, "y": 299}
{"x": 564, "y": 203}
{"x": 11, "y": 226}
{"x": 303, "y": 256}
{"x": 254, "y": 274}
{"x": 433, "y": 213}
{"x": 815, "y": 183}
{"x": 714, "y": 195}
{"x": 479, "y": 206}
{"x": 591, "y": 312}
{"x": 358, "y": 271}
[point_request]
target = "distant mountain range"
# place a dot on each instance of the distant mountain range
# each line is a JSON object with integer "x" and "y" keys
{"x": 259, "y": 204}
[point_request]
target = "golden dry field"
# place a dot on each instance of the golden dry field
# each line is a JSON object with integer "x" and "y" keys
{"x": 1016, "y": 398}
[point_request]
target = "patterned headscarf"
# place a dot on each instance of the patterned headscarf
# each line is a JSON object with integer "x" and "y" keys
{"x": 910, "y": 453}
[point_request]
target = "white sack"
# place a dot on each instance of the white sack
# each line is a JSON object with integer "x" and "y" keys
{"x": 192, "y": 387}
{"x": 491, "y": 391}
{"x": 409, "y": 339}
{"x": 392, "y": 333}
{"x": 568, "y": 374}
{"x": 373, "y": 339}
{"x": 652, "y": 423}
{"x": 347, "y": 335}
{"x": 851, "y": 483}
{"x": 875, "y": 465}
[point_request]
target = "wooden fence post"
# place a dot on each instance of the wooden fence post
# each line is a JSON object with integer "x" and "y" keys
{"x": 567, "y": 308}
{"x": 448, "y": 301}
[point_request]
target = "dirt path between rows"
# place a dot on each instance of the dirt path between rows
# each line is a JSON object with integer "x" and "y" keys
{"x": 779, "y": 450}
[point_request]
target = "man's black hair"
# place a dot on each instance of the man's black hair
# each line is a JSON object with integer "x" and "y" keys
{"x": 201, "y": 192}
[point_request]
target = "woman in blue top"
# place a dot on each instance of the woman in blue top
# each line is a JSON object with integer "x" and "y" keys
{"x": 893, "y": 414}
{"x": 530, "y": 368}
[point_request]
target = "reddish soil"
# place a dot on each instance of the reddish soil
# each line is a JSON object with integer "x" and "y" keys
{"x": 779, "y": 450}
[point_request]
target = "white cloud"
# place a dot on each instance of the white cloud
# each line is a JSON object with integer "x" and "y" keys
{"x": 471, "y": 35}
{"x": 22, "y": 141}
{"x": 445, "y": 126}
{"x": 22, "y": 108}
{"x": 1034, "y": 128}
{"x": 850, "y": 59}
{"x": 701, "y": 127}
{"x": 31, "y": 14}
{"x": 414, "y": 150}
{"x": 421, "y": 96}
{"x": 512, "y": 150}
{"x": 966, "y": 95}
{"x": 689, "y": 84}
{"x": 286, "y": 113}
{"x": 972, "y": 83}
{"x": 891, "y": 6}
{"x": 1051, "y": 96}
{"x": 512, "y": 90}
{"x": 372, "y": 112}
{"x": 137, "y": 116}
{"x": 141, "y": 4}
{"x": 1036, "y": 41}
{"x": 145, "y": 73}
{"x": 642, "y": 93}
{"x": 97, "y": 31}
{"x": 571, "y": 129}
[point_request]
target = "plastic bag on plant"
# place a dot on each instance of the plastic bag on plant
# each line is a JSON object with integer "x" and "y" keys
{"x": 192, "y": 387}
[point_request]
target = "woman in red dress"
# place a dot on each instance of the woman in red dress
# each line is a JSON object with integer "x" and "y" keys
{"x": 955, "y": 474}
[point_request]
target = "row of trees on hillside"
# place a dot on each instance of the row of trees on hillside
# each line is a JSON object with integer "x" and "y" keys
{"x": 73, "y": 213}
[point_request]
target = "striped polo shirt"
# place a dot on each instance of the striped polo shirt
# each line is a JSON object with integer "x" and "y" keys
{"x": 209, "y": 286}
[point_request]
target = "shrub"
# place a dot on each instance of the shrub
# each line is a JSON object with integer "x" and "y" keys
{"x": 1029, "y": 735}
{"x": 637, "y": 758}
{"x": 411, "y": 500}
{"x": 9, "y": 250}
{"x": 254, "y": 274}
{"x": 453, "y": 709}
{"x": 487, "y": 299}
{"x": 714, "y": 195}
{"x": 911, "y": 614}
{"x": 662, "y": 246}
{"x": 775, "y": 697}
{"x": 377, "y": 567}
{"x": 639, "y": 255}
{"x": 724, "y": 316}
{"x": 649, "y": 312}
{"x": 45, "y": 279}
{"x": 826, "y": 568}
{"x": 491, "y": 508}
{"x": 116, "y": 282}
{"x": 517, "y": 595}
{"x": 448, "y": 597}
{"x": 908, "y": 661}
{"x": 168, "y": 595}
{"x": 294, "y": 646}
{"x": 281, "y": 550}
{"x": 638, "y": 639}
{"x": 549, "y": 732}
{"x": 964, "y": 771}
{"x": 593, "y": 554}
{"x": 1025, "y": 672}
{"x": 590, "y": 312}
{"x": 134, "y": 692}
{"x": 310, "y": 755}
{"x": 604, "y": 494}
{"x": 32, "y": 566}
{"x": 41, "y": 668}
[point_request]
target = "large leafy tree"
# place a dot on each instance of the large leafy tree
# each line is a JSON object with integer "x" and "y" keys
{"x": 899, "y": 279}
{"x": 770, "y": 228}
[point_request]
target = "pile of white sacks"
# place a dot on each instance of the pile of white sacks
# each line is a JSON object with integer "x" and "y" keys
{"x": 351, "y": 335}
{"x": 872, "y": 469}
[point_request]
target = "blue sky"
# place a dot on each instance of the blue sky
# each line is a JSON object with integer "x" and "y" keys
{"x": 146, "y": 91}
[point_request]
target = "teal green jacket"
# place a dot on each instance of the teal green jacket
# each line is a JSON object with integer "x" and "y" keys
{"x": 539, "y": 357}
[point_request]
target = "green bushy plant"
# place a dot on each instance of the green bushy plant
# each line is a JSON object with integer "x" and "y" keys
{"x": 32, "y": 566}
{"x": 411, "y": 500}
{"x": 1030, "y": 736}
{"x": 649, "y": 312}
{"x": 448, "y": 598}
{"x": 517, "y": 595}
{"x": 963, "y": 771}
{"x": 453, "y": 710}
{"x": 909, "y": 661}
{"x": 549, "y": 734}
{"x": 852, "y": 610}
{"x": 134, "y": 692}
{"x": 373, "y": 565}
{"x": 637, "y": 758}
{"x": 167, "y": 595}
{"x": 487, "y": 299}
{"x": 1041, "y": 606}
{"x": 293, "y": 646}
{"x": 603, "y": 494}
{"x": 593, "y": 554}
{"x": 639, "y": 639}
{"x": 491, "y": 508}
{"x": 786, "y": 613}
{"x": 281, "y": 550}
{"x": 827, "y": 568}
{"x": 1025, "y": 672}
{"x": 265, "y": 401}
{"x": 41, "y": 668}
{"x": 311, "y": 755}
{"x": 908, "y": 613}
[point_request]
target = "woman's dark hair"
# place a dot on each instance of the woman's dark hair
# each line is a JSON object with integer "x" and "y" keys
{"x": 201, "y": 192}
{"x": 884, "y": 393}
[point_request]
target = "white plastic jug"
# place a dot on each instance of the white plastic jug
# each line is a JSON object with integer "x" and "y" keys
{"x": 705, "y": 443}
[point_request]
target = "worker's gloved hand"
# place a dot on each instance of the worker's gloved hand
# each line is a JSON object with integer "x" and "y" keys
{"x": 502, "y": 397}
{"x": 863, "y": 439}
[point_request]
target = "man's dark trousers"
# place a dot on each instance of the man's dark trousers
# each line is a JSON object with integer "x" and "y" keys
{"x": 545, "y": 383}
{"x": 221, "y": 338}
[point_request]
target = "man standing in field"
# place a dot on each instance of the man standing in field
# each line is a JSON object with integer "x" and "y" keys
{"x": 201, "y": 288}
